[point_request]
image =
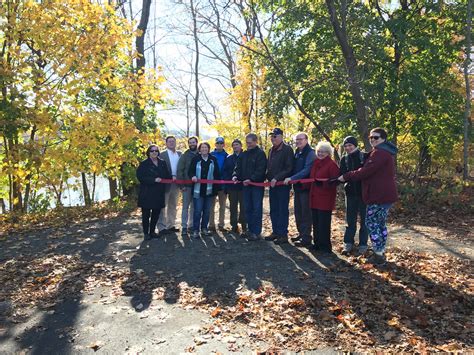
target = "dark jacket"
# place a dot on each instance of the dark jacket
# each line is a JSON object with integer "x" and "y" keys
{"x": 152, "y": 194}
{"x": 377, "y": 175}
{"x": 251, "y": 165}
{"x": 302, "y": 166}
{"x": 229, "y": 166}
{"x": 323, "y": 194}
{"x": 280, "y": 162}
{"x": 204, "y": 170}
{"x": 183, "y": 165}
{"x": 351, "y": 162}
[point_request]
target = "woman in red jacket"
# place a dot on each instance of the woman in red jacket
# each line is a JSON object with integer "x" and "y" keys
{"x": 379, "y": 190}
{"x": 323, "y": 196}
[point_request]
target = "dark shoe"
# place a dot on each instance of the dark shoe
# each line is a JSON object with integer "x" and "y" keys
{"x": 173, "y": 230}
{"x": 270, "y": 237}
{"x": 184, "y": 232}
{"x": 347, "y": 249}
{"x": 281, "y": 240}
{"x": 377, "y": 260}
{"x": 153, "y": 235}
{"x": 147, "y": 236}
{"x": 223, "y": 229}
{"x": 213, "y": 229}
{"x": 301, "y": 243}
{"x": 235, "y": 229}
{"x": 196, "y": 235}
{"x": 363, "y": 249}
{"x": 163, "y": 232}
{"x": 296, "y": 239}
{"x": 252, "y": 237}
{"x": 206, "y": 232}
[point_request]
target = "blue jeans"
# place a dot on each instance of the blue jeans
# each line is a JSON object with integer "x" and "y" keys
{"x": 253, "y": 202}
{"x": 354, "y": 207}
{"x": 202, "y": 208}
{"x": 279, "y": 213}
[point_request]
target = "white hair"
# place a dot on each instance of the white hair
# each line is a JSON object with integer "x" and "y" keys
{"x": 324, "y": 146}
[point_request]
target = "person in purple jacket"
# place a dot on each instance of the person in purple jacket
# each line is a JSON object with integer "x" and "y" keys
{"x": 379, "y": 189}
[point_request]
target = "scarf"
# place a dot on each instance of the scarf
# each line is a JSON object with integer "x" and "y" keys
{"x": 210, "y": 176}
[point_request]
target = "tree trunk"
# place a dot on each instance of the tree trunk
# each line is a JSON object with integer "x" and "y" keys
{"x": 352, "y": 75}
{"x": 113, "y": 188}
{"x": 139, "y": 112}
{"x": 85, "y": 190}
{"x": 467, "y": 110}
{"x": 196, "y": 66}
{"x": 424, "y": 162}
{"x": 94, "y": 180}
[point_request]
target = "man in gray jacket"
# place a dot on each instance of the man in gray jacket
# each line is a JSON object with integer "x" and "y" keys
{"x": 279, "y": 167}
{"x": 171, "y": 156}
{"x": 186, "y": 189}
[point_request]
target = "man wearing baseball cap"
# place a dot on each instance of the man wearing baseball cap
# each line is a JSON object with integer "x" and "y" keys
{"x": 279, "y": 167}
{"x": 220, "y": 154}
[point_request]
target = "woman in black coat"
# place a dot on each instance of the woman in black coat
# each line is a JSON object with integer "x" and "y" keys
{"x": 151, "y": 197}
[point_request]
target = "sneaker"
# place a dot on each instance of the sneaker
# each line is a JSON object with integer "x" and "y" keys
{"x": 206, "y": 232}
{"x": 347, "y": 249}
{"x": 363, "y": 249}
{"x": 297, "y": 238}
{"x": 196, "y": 235}
{"x": 270, "y": 237}
{"x": 252, "y": 237}
{"x": 377, "y": 259}
{"x": 281, "y": 240}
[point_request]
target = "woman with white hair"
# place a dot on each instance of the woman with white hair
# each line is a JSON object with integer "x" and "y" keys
{"x": 323, "y": 196}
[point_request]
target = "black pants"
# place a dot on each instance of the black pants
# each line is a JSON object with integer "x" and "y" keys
{"x": 322, "y": 229}
{"x": 237, "y": 212}
{"x": 150, "y": 219}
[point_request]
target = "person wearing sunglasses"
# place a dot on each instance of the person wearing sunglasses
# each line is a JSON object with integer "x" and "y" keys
{"x": 379, "y": 190}
{"x": 151, "y": 197}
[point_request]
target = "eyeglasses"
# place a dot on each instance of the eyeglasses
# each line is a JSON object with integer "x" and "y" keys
{"x": 300, "y": 139}
{"x": 374, "y": 137}
{"x": 219, "y": 142}
{"x": 154, "y": 151}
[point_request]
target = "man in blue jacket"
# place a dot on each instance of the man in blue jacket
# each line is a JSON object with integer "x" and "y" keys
{"x": 236, "y": 197}
{"x": 220, "y": 154}
{"x": 304, "y": 158}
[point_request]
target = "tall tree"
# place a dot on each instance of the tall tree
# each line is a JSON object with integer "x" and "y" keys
{"x": 467, "y": 109}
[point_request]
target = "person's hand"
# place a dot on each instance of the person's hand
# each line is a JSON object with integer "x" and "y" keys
{"x": 246, "y": 182}
{"x": 333, "y": 181}
{"x": 341, "y": 178}
{"x": 287, "y": 181}
{"x": 318, "y": 183}
{"x": 194, "y": 179}
{"x": 234, "y": 179}
{"x": 174, "y": 178}
{"x": 158, "y": 179}
{"x": 273, "y": 183}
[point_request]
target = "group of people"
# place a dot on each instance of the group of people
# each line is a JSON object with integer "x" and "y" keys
{"x": 369, "y": 183}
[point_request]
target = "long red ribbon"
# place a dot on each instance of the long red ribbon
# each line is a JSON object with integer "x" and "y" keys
{"x": 231, "y": 182}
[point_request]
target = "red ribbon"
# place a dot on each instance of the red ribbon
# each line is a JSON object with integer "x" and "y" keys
{"x": 231, "y": 182}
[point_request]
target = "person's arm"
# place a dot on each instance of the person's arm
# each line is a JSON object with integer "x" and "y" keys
{"x": 181, "y": 167}
{"x": 237, "y": 173}
{"x": 371, "y": 166}
{"x": 165, "y": 174}
{"x": 192, "y": 168}
{"x": 308, "y": 164}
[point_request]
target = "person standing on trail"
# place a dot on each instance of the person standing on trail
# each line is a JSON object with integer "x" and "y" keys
{"x": 203, "y": 166}
{"x": 186, "y": 189}
{"x": 379, "y": 190}
{"x": 166, "y": 223}
{"x": 279, "y": 167}
{"x": 251, "y": 167}
{"x": 323, "y": 196}
{"x": 220, "y": 154}
{"x": 303, "y": 161}
{"x": 353, "y": 160}
{"x": 151, "y": 197}
{"x": 236, "y": 198}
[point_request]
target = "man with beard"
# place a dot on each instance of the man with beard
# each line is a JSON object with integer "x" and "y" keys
{"x": 186, "y": 189}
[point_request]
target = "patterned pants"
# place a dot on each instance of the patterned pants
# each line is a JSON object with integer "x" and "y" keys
{"x": 376, "y": 224}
